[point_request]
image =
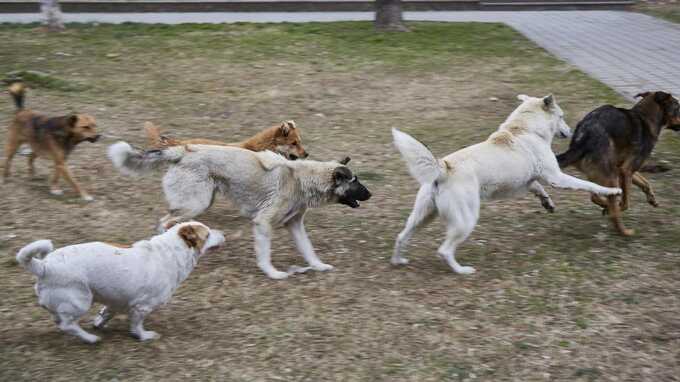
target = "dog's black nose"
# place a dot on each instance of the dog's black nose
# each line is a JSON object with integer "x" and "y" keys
{"x": 305, "y": 155}
{"x": 292, "y": 157}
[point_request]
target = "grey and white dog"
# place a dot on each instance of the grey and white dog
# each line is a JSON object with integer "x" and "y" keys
{"x": 267, "y": 188}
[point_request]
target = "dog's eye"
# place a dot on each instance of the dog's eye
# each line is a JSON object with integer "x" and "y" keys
{"x": 294, "y": 143}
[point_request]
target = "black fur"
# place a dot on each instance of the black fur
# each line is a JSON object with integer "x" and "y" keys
{"x": 631, "y": 129}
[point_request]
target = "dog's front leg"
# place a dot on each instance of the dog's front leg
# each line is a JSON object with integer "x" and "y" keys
{"x": 63, "y": 169}
{"x": 263, "y": 237}
{"x": 296, "y": 227}
{"x": 561, "y": 180}
{"x": 644, "y": 185}
{"x": 538, "y": 190}
{"x": 137, "y": 315}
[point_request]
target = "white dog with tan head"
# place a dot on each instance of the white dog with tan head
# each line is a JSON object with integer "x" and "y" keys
{"x": 509, "y": 163}
{"x": 125, "y": 279}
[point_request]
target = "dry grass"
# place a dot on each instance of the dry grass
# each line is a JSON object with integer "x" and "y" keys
{"x": 556, "y": 297}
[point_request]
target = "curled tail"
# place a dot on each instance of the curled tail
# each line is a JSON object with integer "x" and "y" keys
{"x": 155, "y": 139}
{"x": 26, "y": 255}
{"x": 422, "y": 165}
{"x": 18, "y": 92}
{"x": 131, "y": 161}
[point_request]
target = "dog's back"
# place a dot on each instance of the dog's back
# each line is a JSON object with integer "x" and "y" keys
{"x": 605, "y": 137}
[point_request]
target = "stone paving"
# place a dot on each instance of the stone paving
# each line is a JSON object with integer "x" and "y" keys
{"x": 631, "y": 52}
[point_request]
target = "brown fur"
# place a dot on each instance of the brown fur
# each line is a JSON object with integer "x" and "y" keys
{"x": 285, "y": 134}
{"x": 626, "y": 155}
{"x": 502, "y": 138}
{"x": 194, "y": 235}
{"x": 53, "y": 138}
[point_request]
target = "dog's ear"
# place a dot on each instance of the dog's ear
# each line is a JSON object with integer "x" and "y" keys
{"x": 344, "y": 160}
{"x": 643, "y": 94}
{"x": 341, "y": 174}
{"x": 284, "y": 129}
{"x": 523, "y": 97}
{"x": 71, "y": 120}
{"x": 548, "y": 101}
{"x": 662, "y": 97}
{"x": 190, "y": 236}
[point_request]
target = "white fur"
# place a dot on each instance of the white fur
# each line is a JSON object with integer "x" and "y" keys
{"x": 132, "y": 280}
{"x": 454, "y": 186}
{"x": 268, "y": 189}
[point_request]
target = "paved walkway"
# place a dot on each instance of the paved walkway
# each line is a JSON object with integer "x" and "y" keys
{"x": 630, "y": 52}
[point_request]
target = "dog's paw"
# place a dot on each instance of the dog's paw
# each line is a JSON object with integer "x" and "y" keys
{"x": 465, "y": 270}
{"x": 322, "y": 267}
{"x": 399, "y": 261}
{"x": 90, "y": 339}
{"x": 277, "y": 275}
{"x": 653, "y": 202}
{"x": 613, "y": 191}
{"x": 57, "y": 192}
{"x": 87, "y": 198}
{"x": 147, "y": 335}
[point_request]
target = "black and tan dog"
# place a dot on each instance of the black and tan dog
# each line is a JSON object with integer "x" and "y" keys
{"x": 50, "y": 137}
{"x": 611, "y": 144}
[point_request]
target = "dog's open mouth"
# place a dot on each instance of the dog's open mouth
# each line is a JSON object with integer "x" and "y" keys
{"x": 349, "y": 202}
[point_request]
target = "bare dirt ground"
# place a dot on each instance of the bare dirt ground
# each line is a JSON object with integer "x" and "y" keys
{"x": 556, "y": 297}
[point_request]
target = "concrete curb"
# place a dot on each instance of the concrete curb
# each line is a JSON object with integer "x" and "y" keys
{"x": 311, "y": 6}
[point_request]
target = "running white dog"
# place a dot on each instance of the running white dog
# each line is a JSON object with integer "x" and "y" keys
{"x": 510, "y": 162}
{"x": 134, "y": 279}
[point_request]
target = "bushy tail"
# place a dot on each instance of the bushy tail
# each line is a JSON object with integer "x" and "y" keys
{"x": 422, "y": 165}
{"x": 26, "y": 255}
{"x": 18, "y": 92}
{"x": 131, "y": 161}
{"x": 155, "y": 139}
{"x": 569, "y": 157}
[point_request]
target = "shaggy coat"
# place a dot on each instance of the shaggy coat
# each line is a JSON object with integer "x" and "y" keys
{"x": 126, "y": 279}
{"x": 510, "y": 162}
{"x": 268, "y": 189}
{"x": 611, "y": 144}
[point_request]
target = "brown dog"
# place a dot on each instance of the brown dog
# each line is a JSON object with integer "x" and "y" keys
{"x": 53, "y": 138}
{"x": 611, "y": 144}
{"x": 284, "y": 138}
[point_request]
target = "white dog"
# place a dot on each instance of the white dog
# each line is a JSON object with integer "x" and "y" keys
{"x": 510, "y": 162}
{"x": 134, "y": 279}
{"x": 268, "y": 189}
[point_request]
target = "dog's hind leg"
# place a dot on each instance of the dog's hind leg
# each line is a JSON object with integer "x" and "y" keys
{"x": 423, "y": 211}
{"x": 189, "y": 192}
{"x": 102, "y": 318}
{"x": 262, "y": 231}
{"x": 625, "y": 181}
{"x": 68, "y": 306}
{"x": 137, "y": 315}
{"x": 296, "y": 228}
{"x": 11, "y": 147}
{"x": 461, "y": 219}
{"x": 644, "y": 185}
{"x": 538, "y": 190}
{"x": 614, "y": 210}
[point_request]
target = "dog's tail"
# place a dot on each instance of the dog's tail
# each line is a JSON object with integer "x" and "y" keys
{"x": 569, "y": 157}
{"x": 26, "y": 256}
{"x": 155, "y": 139}
{"x": 131, "y": 161}
{"x": 18, "y": 92}
{"x": 422, "y": 165}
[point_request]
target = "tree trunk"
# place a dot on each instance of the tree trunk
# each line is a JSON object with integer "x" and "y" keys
{"x": 52, "y": 15}
{"x": 388, "y": 16}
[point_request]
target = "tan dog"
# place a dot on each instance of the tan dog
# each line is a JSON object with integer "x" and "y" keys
{"x": 284, "y": 138}
{"x": 53, "y": 138}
